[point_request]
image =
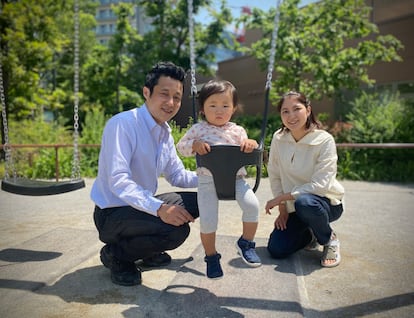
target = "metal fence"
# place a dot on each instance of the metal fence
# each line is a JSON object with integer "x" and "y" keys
{"x": 58, "y": 146}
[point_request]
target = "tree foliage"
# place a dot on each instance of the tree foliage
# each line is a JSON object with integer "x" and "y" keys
{"x": 37, "y": 53}
{"x": 106, "y": 69}
{"x": 378, "y": 118}
{"x": 116, "y": 73}
{"x": 323, "y": 48}
{"x": 168, "y": 39}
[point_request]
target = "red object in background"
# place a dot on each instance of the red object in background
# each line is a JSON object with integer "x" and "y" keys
{"x": 240, "y": 33}
{"x": 246, "y": 10}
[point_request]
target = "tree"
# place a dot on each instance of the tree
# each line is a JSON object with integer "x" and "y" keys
{"x": 169, "y": 37}
{"x": 323, "y": 48}
{"x": 116, "y": 73}
{"x": 29, "y": 39}
{"x": 110, "y": 84}
{"x": 37, "y": 54}
{"x": 119, "y": 44}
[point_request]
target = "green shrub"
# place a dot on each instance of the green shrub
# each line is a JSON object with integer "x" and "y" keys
{"x": 92, "y": 130}
{"x": 177, "y": 133}
{"x": 39, "y": 162}
{"x": 377, "y": 118}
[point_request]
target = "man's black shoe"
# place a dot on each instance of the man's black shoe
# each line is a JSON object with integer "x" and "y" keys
{"x": 122, "y": 273}
{"x": 125, "y": 274}
{"x": 157, "y": 260}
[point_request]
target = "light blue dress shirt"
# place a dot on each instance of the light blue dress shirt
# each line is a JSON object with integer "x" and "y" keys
{"x": 135, "y": 152}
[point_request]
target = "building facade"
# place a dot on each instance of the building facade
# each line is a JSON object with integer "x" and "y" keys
{"x": 395, "y": 17}
{"x": 106, "y": 20}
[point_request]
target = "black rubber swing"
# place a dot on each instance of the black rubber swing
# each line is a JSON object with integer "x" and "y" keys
{"x": 24, "y": 186}
{"x": 33, "y": 187}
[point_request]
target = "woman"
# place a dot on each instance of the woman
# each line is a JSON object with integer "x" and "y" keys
{"x": 302, "y": 171}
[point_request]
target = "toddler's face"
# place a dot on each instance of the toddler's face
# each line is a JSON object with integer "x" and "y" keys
{"x": 218, "y": 108}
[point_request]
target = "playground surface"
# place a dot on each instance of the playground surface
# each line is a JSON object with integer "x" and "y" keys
{"x": 50, "y": 267}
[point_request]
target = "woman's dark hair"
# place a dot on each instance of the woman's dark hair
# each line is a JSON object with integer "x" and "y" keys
{"x": 311, "y": 122}
{"x": 217, "y": 87}
{"x": 168, "y": 69}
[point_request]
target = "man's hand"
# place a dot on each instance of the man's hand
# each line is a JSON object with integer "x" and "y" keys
{"x": 174, "y": 214}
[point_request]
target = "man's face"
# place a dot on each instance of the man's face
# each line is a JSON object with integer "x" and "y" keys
{"x": 165, "y": 100}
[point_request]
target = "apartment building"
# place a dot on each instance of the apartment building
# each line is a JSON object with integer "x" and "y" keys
{"x": 106, "y": 20}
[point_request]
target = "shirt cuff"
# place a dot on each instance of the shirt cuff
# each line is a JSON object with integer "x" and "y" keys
{"x": 154, "y": 207}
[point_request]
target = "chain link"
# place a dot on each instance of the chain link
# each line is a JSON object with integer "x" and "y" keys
{"x": 192, "y": 47}
{"x": 273, "y": 47}
{"x": 9, "y": 165}
{"x": 76, "y": 163}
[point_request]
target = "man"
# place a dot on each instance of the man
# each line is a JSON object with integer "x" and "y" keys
{"x": 137, "y": 147}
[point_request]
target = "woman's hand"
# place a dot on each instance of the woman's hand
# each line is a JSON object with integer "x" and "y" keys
{"x": 281, "y": 220}
{"x": 248, "y": 145}
{"x": 272, "y": 203}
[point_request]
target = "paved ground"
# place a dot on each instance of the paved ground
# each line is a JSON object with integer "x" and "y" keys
{"x": 49, "y": 264}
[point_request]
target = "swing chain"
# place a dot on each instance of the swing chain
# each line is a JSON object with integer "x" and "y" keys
{"x": 192, "y": 48}
{"x": 7, "y": 149}
{"x": 273, "y": 47}
{"x": 76, "y": 164}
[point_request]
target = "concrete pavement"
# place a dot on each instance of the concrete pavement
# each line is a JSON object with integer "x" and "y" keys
{"x": 50, "y": 267}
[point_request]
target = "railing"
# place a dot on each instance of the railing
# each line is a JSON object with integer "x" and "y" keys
{"x": 339, "y": 145}
{"x": 377, "y": 146}
{"x": 56, "y": 146}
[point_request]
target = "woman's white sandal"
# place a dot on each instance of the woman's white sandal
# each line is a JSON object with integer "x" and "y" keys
{"x": 331, "y": 251}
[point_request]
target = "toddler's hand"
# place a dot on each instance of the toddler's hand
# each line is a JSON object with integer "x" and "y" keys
{"x": 248, "y": 145}
{"x": 200, "y": 147}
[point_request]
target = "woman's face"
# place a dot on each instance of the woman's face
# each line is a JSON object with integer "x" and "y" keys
{"x": 294, "y": 115}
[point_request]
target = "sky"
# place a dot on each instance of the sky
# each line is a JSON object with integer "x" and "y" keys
{"x": 236, "y": 6}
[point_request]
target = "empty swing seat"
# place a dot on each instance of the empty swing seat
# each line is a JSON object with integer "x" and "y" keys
{"x": 32, "y": 187}
{"x": 224, "y": 161}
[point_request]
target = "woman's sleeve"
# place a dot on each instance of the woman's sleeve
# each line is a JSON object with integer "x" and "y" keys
{"x": 273, "y": 169}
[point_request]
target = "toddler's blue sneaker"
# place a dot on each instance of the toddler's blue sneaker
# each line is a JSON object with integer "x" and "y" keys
{"x": 247, "y": 251}
{"x": 214, "y": 270}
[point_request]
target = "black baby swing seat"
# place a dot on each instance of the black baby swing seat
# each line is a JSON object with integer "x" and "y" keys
{"x": 224, "y": 161}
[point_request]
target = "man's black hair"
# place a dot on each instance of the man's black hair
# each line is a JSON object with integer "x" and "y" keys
{"x": 163, "y": 69}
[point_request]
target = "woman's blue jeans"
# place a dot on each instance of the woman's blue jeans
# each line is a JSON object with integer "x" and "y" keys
{"x": 312, "y": 213}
